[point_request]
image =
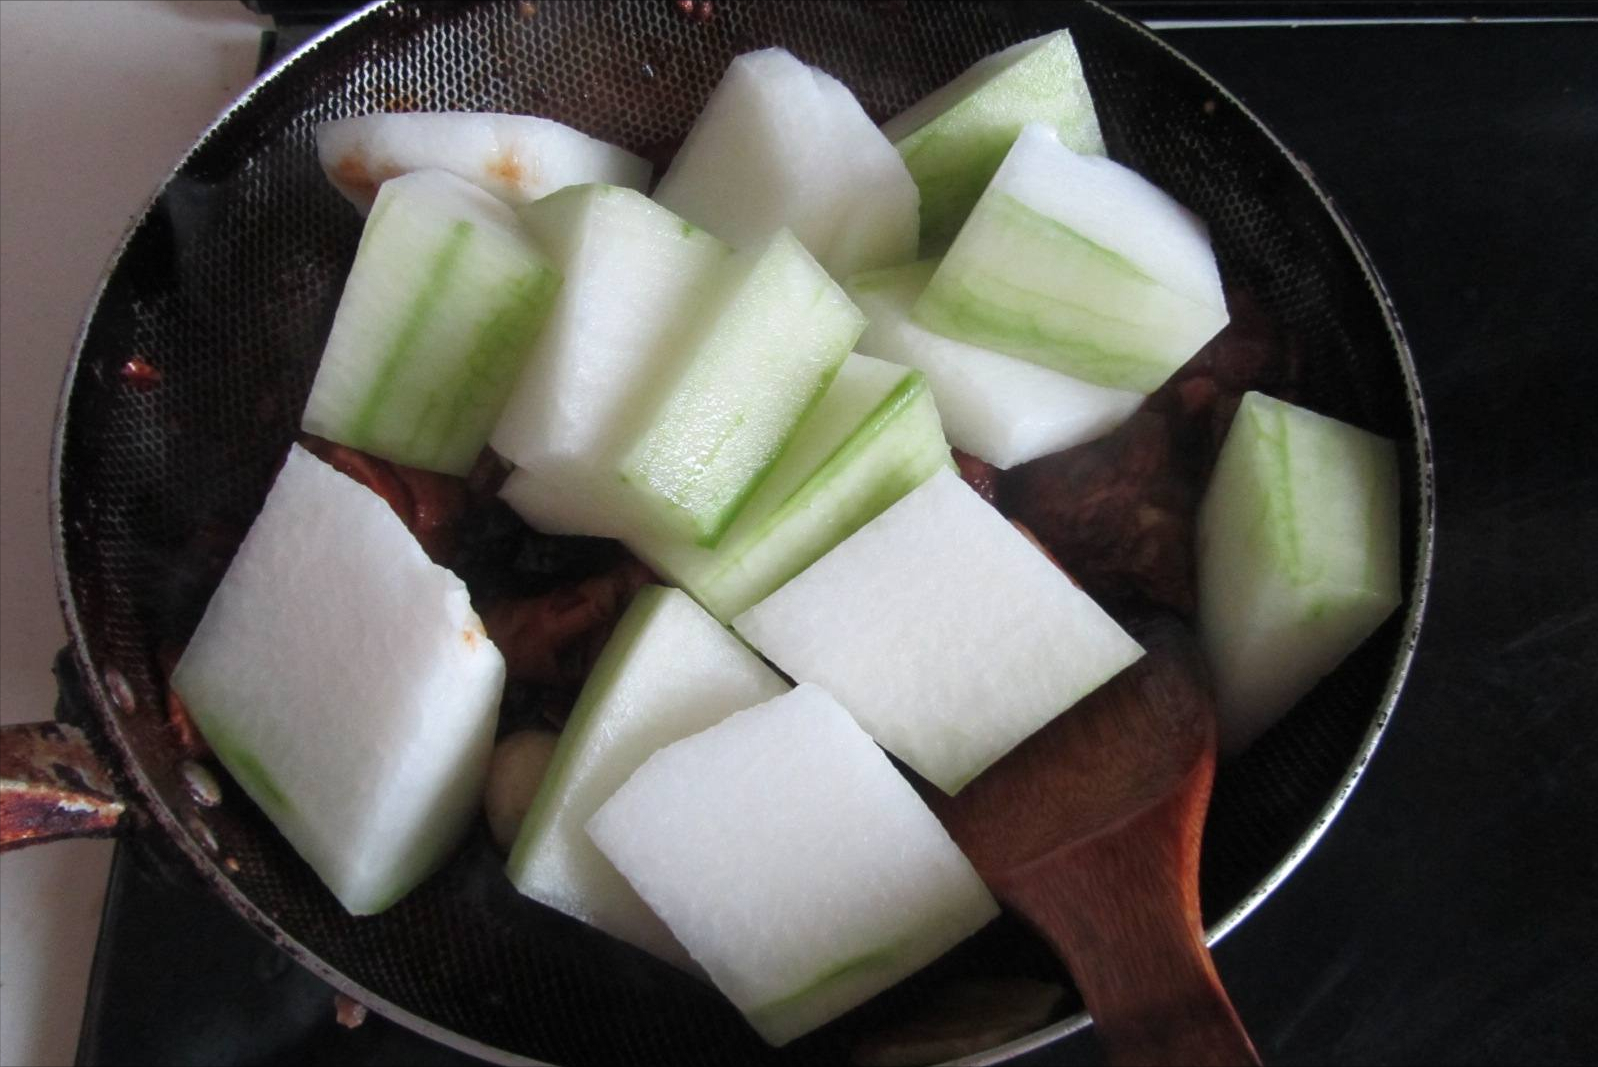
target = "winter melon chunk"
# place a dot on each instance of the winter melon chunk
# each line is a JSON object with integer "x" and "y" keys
{"x": 947, "y": 633}
{"x": 874, "y": 436}
{"x": 954, "y": 139}
{"x": 770, "y": 344}
{"x": 344, "y": 680}
{"x": 998, "y": 408}
{"x": 786, "y": 853}
{"x": 441, "y": 309}
{"x": 1297, "y": 557}
{"x": 782, "y": 145}
{"x": 518, "y": 158}
{"x": 636, "y": 281}
{"x": 1081, "y": 265}
{"x": 668, "y": 671}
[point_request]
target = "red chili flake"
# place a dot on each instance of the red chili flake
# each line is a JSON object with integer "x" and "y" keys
{"x": 138, "y": 372}
{"x": 698, "y": 10}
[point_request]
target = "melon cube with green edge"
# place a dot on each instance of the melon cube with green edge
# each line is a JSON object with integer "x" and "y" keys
{"x": 998, "y": 408}
{"x": 772, "y": 341}
{"x": 1077, "y": 263}
{"x": 345, "y": 682}
{"x": 783, "y": 145}
{"x": 793, "y": 861}
{"x": 946, "y": 632}
{"x": 953, "y": 140}
{"x": 873, "y": 437}
{"x": 518, "y": 158}
{"x": 441, "y": 309}
{"x": 635, "y": 283}
{"x": 1297, "y": 557}
{"x": 668, "y": 671}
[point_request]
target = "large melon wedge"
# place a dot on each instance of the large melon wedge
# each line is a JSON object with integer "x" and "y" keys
{"x": 344, "y": 680}
{"x": 441, "y": 309}
{"x": 1297, "y": 557}
{"x": 944, "y": 630}
{"x": 873, "y": 437}
{"x": 518, "y": 158}
{"x": 635, "y": 284}
{"x": 771, "y": 343}
{"x": 953, "y": 140}
{"x": 998, "y": 408}
{"x": 782, "y": 145}
{"x": 800, "y": 869}
{"x": 668, "y": 671}
{"x": 1079, "y": 264}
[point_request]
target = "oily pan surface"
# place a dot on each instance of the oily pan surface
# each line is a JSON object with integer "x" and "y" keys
{"x": 229, "y": 286}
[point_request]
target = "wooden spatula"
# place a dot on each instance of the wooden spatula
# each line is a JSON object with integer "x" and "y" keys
{"x": 1090, "y": 830}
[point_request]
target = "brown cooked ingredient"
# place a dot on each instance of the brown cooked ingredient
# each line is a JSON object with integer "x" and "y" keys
{"x": 979, "y": 474}
{"x": 437, "y": 501}
{"x": 552, "y": 639}
{"x": 189, "y": 740}
{"x": 429, "y": 504}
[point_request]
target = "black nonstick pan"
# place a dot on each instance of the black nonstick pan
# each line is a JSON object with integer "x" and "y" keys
{"x": 195, "y": 363}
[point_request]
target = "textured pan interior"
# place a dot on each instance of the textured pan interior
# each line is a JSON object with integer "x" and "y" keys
{"x": 228, "y": 287}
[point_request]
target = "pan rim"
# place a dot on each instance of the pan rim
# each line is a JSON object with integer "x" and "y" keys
{"x": 150, "y": 802}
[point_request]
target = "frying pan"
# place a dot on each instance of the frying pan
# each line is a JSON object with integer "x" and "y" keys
{"x": 227, "y": 285}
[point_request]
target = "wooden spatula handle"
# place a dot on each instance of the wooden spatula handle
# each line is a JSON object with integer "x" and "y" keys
{"x": 1125, "y": 919}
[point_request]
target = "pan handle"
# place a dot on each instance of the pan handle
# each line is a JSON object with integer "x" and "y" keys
{"x": 53, "y": 785}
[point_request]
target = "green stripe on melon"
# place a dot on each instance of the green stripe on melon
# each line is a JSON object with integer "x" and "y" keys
{"x": 874, "y": 436}
{"x": 1297, "y": 557}
{"x": 1078, "y": 264}
{"x": 954, "y": 140}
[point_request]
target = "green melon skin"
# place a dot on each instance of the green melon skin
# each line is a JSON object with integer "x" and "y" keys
{"x": 441, "y": 309}
{"x": 954, "y": 140}
{"x": 1080, "y": 265}
{"x": 874, "y": 437}
{"x": 1297, "y": 557}
{"x": 771, "y": 346}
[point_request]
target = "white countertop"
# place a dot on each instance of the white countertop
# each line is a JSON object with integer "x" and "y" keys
{"x": 97, "y": 102}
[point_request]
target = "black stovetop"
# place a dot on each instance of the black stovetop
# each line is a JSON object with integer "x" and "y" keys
{"x": 1451, "y": 913}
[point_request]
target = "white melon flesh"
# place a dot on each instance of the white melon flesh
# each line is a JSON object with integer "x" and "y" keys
{"x": 771, "y": 342}
{"x": 344, "y": 681}
{"x": 944, "y": 630}
{"x": 954, "y": 140}
{"x": 783, "y": 145}
{"x": 668, "y": 671}
{"x": 873, "y": 437}
{"x": 800, "y": 869}
{"x": 998, "y": 408}
{"x": 1079, "y": 264}
{"x": 440, "y": 311}
{"x": 1297, "y": 557}
{"x": 636, "y": 280}
{"x": 518, "y": 158}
